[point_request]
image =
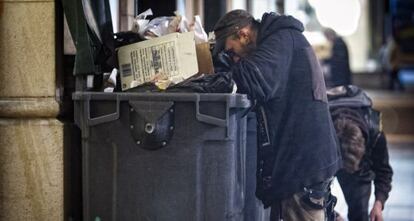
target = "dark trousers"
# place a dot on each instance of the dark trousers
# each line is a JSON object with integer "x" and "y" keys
{"x": 357, "y": 192}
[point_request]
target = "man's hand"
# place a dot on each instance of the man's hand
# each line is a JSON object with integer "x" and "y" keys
{"x": 376, "y": 212}
{"x": 223, "y": 62}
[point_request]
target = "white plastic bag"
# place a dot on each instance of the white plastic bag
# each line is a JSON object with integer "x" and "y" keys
{"x": 174, "y": 25}
{"x": 200, "y": 34}
{"x": 157, "y": 27}
{"x": 184, "y": 26}
{"x": 110, "y": 82}
{"x": 140, "y": 22}
{"x": 160, "y": 26}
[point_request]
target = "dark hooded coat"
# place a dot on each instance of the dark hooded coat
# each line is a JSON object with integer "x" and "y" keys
{"x": 296, "y": 137}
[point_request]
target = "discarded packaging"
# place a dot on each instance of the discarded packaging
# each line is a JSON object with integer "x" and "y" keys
{"x": 200, "y": 34}
{"x": 204, "y": 58}
{"x": 173, "y": 56}
{"x": 160, "y": 26}
{"x": 110, "y": 81}
{"x": 140, "y": 22}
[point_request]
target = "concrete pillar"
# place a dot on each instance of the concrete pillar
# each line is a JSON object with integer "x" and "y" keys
{"x": 27, "y": 49}
{"x": 31, "y": 168}
{"x": 31, "y": 139}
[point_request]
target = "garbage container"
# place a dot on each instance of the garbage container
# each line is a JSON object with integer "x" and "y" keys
{"x": 163, "y": 156}
{"x": 254, "y": 209}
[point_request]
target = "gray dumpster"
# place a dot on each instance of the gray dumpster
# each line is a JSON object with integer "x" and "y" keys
{"x": 163, "y": 156}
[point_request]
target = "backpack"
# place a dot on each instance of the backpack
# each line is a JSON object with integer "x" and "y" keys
{"x": 352, "y": 102}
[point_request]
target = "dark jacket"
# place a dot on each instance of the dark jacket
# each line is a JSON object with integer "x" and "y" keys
{"x": 297, "y": 143}
{"x": 350, "y": 102}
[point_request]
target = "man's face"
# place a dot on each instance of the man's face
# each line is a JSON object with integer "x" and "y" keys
{"x": 240, "y": 44}
{"x": 236, "y": 46}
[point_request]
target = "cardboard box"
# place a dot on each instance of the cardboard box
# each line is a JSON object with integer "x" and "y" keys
{"x": 204, "y": 58}
{"x": 173, "y": 55}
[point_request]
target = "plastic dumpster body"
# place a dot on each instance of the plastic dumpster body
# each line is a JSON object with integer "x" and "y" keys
{"x": 254, "y": 210}
{"x": 163, "y": 156}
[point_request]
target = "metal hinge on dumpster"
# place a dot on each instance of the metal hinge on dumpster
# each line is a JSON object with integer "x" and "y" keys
{"x": 151, "y": 123}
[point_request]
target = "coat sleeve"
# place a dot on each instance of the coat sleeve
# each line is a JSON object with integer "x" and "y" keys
{"x": 263, "y": 75}
{"x": 382, "y": 169}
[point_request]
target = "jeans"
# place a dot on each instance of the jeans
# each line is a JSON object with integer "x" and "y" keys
{"x": 357, "y": 192}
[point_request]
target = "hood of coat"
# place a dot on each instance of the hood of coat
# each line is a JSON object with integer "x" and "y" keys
{"x": 272, "y": 22}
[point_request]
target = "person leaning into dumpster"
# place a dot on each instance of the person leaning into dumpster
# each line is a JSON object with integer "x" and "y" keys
{"x": 298, "y": 154}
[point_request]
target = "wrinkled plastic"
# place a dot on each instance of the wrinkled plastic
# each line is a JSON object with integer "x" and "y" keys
{"x": 126, "y": 38}
{"x": 184, "y": 25}
{"x": 204, "y": 83}
{"x": 174, "y": 24}
{"x": 110, "y": 80}
{"x": 141, "y": 22}
{"x": 161, "y": 26}
{"x": 157, "y": 27}
{"x": 209, "y": 83}
{"x": 161, "y": 81}
{"x": 200, "y": 34}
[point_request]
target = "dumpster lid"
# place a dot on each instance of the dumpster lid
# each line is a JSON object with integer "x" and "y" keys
{"x": 233, "y": 100}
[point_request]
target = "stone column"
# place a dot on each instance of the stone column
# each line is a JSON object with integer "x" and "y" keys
{"x": 31, "y": 139}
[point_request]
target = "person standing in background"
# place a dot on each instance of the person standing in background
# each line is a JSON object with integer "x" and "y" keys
{"x": 338, "y": 63}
